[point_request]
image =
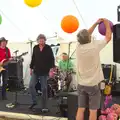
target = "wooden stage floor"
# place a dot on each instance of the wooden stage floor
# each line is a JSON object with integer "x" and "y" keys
{"x": 24, "y": 101}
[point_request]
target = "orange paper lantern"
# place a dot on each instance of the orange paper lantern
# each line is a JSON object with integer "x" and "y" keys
{"x": 69, "y": 24}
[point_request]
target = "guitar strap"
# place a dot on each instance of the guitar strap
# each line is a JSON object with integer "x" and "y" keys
{"x": 7, "y": 53}
{"x": 7, "y": 50}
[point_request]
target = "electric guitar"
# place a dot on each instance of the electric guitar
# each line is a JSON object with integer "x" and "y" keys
{"x": 5, "y": 62}
{"x": 108, "y": 87}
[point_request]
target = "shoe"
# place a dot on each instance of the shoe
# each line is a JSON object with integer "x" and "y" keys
{"x": 45, "y": 110}
{"x": 33, "y": 105}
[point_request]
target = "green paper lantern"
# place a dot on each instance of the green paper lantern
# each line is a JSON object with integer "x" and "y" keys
{"x": 0, "y": 19}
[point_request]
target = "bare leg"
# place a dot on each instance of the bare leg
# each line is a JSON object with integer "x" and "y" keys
{"x": 80, "y": 114}
{"x": 93, "y": 115}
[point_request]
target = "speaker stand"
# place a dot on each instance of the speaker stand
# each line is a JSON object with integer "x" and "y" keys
{"x": 15, "y": 103}
{"x": 31, "y": 45}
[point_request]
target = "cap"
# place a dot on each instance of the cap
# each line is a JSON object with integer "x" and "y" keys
{"x": 3, "y": 39}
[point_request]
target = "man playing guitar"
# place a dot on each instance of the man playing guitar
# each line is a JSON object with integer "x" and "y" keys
{"x": 5, "y": 55}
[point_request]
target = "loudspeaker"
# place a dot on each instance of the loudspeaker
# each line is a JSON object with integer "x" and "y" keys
{"x": 15, "y": 75}
{"x": 118, "y": 13}
{"x": 116, "y": 43}
{"x": 73, "y": 105}
{"x": 15, "y": 70}
{"x": 15, "y": 85}
{"x": 107, "y": 71}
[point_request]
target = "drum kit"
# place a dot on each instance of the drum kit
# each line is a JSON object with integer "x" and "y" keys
{"x": 57, "y": 81}
{"x": 60, "y": 80}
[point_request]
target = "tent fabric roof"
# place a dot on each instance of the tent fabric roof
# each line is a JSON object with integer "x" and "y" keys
{"x": 21, "y": 22}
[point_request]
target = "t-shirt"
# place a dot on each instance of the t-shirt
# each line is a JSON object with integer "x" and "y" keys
{"x": 3, "y": 54}
{"x": 65, "y": 65}
{"x": 89, "y": 69}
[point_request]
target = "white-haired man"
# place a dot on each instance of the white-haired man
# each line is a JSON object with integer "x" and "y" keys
{"x": 89, "y": 70}
{"x": 41, "y": 63}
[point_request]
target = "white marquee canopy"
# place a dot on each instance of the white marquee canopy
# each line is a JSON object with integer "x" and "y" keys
{"x": 21, "y": 22}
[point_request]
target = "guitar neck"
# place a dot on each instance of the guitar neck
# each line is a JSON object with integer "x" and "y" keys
{"x": 6, "y": 63}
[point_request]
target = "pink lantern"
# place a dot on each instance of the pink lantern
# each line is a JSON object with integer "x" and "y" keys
{"x": 112, "y": 116}
{"x": 102, "y": 117}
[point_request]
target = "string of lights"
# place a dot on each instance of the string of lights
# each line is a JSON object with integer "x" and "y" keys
{"x": 79, "y": 13}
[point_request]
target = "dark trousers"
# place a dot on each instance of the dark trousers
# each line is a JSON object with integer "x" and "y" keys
{"x": 43, "y": 82}
{"x": 4, "y": 75}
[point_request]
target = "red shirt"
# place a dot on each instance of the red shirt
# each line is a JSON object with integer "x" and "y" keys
{"x": 3, "y": 54}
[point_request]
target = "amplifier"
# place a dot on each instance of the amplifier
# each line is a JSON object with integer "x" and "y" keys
{"x": 15, "y": 69}
{"x": 73, "y": 106}
{"x": 63, "y": 106}
{"x": 62, "y": 103}
{"x": 107, "y": 70}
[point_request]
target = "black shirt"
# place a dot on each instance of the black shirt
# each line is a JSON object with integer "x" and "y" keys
{"x": 42, "y": 61}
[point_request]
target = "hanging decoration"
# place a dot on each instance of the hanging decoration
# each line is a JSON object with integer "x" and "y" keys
{"x": 69, "y": 24}
{"x": 33, "y": 3}
{"x": 0, "y": 19}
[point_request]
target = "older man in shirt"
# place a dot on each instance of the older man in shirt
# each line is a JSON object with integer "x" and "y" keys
{"x": 89, "y": 70}
{"x": 66, "y": 67}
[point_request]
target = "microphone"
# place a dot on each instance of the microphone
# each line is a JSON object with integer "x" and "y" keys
{"x": 16, "y": 51}
{"x": 70, "y": 42}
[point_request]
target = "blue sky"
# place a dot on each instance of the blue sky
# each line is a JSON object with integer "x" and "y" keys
{"x": 29, "y": 22}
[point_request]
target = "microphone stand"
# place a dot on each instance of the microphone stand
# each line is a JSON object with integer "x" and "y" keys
{"x": 17, "y": 87}
{"x": 68, "y": 54}
{"x": 15, "y": 103}
{"x": 67, "y": 74}
{"x": 31, "y": 45}
{"x": 72, "y": 54}
{"x": 16, "y": 55}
